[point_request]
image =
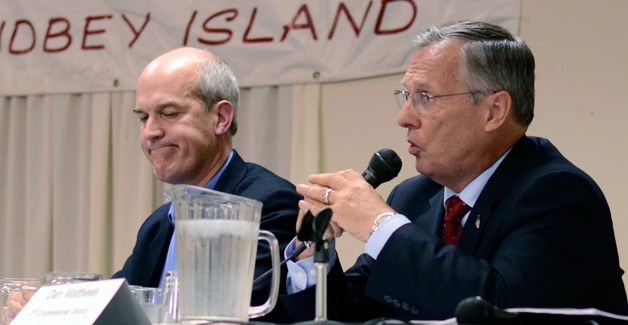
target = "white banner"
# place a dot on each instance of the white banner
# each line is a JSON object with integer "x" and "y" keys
{"x": 64, "y": 46}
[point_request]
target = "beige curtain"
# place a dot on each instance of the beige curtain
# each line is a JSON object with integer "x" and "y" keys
{"x": 75, "y": 187}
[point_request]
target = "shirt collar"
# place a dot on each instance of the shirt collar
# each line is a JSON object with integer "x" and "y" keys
{"x": 472, "y": 191}
{"x": 210, "y": 185}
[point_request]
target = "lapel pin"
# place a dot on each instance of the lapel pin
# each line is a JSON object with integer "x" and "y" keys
{"x": 477, "y": 222}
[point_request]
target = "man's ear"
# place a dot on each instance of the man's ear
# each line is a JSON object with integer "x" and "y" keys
{"x": 225, "y": 112}
{"x": 499, "y": 110}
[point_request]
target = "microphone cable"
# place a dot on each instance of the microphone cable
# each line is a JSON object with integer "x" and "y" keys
{"x": 294, "y": 254}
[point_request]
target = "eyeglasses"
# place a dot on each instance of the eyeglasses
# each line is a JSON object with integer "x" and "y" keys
{"x": 421, "y": 99}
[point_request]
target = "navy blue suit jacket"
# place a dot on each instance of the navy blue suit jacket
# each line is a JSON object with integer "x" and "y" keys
{"x": 280, "y": 208}
{"x": 539, "y": 235}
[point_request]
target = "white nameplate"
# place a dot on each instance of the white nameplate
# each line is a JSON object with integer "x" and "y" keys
{"x": 86, "y": 303}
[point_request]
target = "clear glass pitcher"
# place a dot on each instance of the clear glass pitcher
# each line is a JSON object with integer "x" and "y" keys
{"x": 216, "y": 245}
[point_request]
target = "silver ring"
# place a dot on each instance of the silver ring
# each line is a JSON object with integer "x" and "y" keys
{"x": 327, "y": 195}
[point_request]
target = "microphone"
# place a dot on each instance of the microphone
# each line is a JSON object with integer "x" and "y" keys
{"x": 383, "y": 166}
{"x": 475, "y": 310}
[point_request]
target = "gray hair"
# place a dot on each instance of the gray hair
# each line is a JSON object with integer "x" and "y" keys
{"x": 491, "y": 60}
{"x": 217, "y": 82}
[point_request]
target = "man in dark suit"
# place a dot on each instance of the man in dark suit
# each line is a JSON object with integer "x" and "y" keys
{"x": 533, "y": 231}
{"x": 186, "y": 103}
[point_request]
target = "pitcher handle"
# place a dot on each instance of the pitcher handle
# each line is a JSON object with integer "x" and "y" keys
{"x": 267, "y": 307}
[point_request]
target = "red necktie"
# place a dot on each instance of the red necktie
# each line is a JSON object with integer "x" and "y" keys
{"x": 455, "y": 209}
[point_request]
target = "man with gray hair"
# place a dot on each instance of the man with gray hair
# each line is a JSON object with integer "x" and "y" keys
{"x": 494, "y": 213}
{"x": 186, "y": 103}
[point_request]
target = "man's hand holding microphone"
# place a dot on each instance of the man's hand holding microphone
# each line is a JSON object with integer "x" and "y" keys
{"x": 351, "y": 196}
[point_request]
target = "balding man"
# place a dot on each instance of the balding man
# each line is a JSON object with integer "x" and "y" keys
{"x": 186, "y": 103}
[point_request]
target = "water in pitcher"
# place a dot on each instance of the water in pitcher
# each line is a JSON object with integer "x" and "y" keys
{"x": 220, "y": 256}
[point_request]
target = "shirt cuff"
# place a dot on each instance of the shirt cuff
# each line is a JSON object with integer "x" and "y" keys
{"x": 302, "y": 274}
{"x": 378, "y": 239}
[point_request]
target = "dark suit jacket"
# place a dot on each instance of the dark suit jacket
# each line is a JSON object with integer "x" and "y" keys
{"x": 539, "y": 235}
{"x": 280, "y": 208}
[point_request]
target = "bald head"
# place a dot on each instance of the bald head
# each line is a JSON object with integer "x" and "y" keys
{"x": 207, "y": 77}
{"x": 181, "y": 60}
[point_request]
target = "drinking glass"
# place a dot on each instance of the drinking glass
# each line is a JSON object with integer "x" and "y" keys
{"x": 62, "y": 277}
{"x": 14, "y": 294}
{"x": 149, "y": 300}
{"x": 169, "y": 299}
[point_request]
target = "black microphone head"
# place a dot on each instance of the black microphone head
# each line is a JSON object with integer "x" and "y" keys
{"x": 383, "y": 166}
{"x": 476, "y": 310}
{"x": 473, "y": 310}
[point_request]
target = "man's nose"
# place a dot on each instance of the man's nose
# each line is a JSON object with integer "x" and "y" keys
{"x": 408, "y": 116}
{"x": 152, "y": 129}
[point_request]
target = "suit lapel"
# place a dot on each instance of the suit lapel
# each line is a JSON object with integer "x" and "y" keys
{"x": 477, "y": 221}
{"x": 432, "y": 219}
{"x": 158, "y": 247}
{"x": 233, "y": 175}
{"x": 492, "y": 194}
